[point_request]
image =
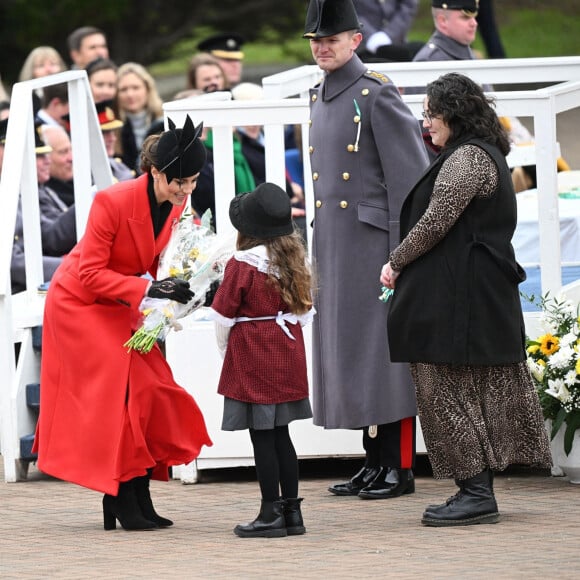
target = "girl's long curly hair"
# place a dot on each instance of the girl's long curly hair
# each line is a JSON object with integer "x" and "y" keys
{"x": 294, "y": 277}
{"x": 466, "y": 110}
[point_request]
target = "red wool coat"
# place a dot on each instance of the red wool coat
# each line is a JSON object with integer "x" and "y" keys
{"x": 106, "y": 414}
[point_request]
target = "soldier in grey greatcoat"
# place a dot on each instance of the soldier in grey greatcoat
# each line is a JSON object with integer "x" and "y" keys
{"x": 385, "y": 25}
{"x": 366, "y": 153}
{"x": 455, "y": 30}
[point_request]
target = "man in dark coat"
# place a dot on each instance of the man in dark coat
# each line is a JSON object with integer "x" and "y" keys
{"x": 366, "y": 154}
{"x": 57, "y": 225}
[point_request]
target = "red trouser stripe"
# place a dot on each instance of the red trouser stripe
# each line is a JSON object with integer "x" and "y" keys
{"x": 407, "y": 437}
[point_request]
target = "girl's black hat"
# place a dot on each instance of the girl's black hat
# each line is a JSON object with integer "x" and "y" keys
{"x": 263, "y": 213}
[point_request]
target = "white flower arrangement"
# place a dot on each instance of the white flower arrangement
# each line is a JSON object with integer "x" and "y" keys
{"x": 554, "y": 363}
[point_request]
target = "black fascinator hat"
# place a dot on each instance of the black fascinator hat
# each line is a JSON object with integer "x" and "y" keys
{"x": 180, "y": 152}
{"x": 263, "y": 213}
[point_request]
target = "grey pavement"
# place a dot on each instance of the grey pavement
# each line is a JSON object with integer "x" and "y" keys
{"x": 53, "y": 529}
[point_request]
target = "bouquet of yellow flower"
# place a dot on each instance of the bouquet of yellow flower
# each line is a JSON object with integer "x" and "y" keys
{"x": 554, "y": 363}
{"x": 195, "y": 253}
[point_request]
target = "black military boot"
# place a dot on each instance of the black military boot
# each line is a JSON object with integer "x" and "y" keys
{"x": 390, "y": 482}
{"x": 356, "y": 483}
{"x": 293, "y": 516}
{"x": 436, "y": 506}
{"x": 473, "y": 504}
{"x": 270, "y": 522}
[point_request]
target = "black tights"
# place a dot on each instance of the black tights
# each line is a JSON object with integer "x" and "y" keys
{"x": 276, "y": 462}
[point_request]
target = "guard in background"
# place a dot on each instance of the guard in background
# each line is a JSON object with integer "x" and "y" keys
{"x": 366, "y": 153}
{"x": 227, "y": 48}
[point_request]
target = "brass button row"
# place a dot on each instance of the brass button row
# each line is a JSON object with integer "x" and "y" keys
{"x": 349, "y": 148}
{"x": 316, "y": 175}
{"x": 343, "y": 204}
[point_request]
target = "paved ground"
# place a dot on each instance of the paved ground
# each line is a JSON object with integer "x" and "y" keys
{"x": 51, "y": 529}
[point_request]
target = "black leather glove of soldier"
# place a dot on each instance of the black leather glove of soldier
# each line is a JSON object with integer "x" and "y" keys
{"x": 210, "y": 294}
{"x": 171, "y": 288}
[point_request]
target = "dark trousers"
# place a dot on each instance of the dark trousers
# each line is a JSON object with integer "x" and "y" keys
{"x": 394, "y": 445}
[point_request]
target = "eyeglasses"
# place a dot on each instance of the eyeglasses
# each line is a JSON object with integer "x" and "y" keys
{"x": 427, "y": 116}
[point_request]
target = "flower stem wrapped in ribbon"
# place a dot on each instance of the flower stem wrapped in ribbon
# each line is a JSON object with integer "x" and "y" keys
{"x": 195, "y": 253}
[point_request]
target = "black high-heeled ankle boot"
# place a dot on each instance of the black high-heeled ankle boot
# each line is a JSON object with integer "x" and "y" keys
{"x": 145, "y": 502}
{"x": 125, "y": 508}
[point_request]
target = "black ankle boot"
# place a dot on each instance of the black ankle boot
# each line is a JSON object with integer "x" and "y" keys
{"x": 438, "y": 506}
{"x": 293, "y": 516}
{"x": 356, "y": 483}
{"x": 146, "y": 504}
{"x": 125, "y": 508}
{"x": 473, "y": 504}
{"x": 390, "y": 482}
{"x": 270, "y": 522}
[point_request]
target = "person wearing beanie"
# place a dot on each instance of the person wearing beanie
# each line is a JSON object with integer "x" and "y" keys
{"x": 366, "y": 153}
{"x": 105, "y": 411}
{"x": 259, "y": 310}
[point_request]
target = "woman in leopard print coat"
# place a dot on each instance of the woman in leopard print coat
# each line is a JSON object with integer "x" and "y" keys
{"x": 456, "y": 313}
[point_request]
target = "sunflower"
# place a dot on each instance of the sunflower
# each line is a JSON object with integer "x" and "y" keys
{"x": 549, "y": 344}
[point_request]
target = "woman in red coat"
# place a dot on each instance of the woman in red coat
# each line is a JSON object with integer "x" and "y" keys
{"x": 110, "y": 418}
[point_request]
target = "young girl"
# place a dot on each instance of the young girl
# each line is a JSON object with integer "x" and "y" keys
{"x": 259, "y": 310}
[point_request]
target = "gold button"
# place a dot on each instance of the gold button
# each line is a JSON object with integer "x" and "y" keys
{"x": 315, "y": 176}
{"x": 365, "y": 92}
{"x": 311, "y": 149}
{"x": 344, "y": 204}
{"x": 318, "y": 203}
{"x": 346, "y": 176}
{"x": 356, "y": 119}
{"x": 350, "y": 148}
{"x": 310, "y": 122}
{"x": 313, "y": 98}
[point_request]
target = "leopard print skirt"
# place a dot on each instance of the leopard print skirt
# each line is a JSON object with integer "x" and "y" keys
{"x": 473, "y": 418}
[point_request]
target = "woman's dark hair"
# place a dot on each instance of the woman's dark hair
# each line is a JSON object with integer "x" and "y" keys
{"x": 98, "y": 64}
{"x": 467, "y": 111}
{"x": 148, "y": 153}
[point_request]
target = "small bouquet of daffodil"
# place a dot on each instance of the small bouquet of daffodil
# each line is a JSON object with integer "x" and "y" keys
{"x": 195, "y": 253}
{"x": 554, "y": 363}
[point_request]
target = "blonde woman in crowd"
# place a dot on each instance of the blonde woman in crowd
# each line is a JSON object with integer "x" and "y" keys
{"x": 139, "y": 105}
{"x": 41, "y": 62}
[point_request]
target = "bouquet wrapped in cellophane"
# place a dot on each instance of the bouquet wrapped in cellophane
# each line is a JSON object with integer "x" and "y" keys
{"x": 195, "y": 253}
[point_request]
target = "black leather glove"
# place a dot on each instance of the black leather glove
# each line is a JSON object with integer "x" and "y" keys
{"x": 172, "y": 288}
{"x": 210, "y": 294}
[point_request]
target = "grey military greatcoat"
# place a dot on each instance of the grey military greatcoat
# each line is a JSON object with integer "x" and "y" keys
{"x": 366, "y": 153}
{"x": 394, "y": 17}
{"x": 441, "y": 47}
